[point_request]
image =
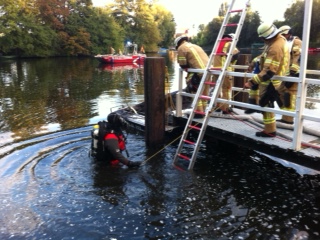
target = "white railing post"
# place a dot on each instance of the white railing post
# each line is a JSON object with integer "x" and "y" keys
{"x": 302, "y": 86}
{"x": 179, "y": 96}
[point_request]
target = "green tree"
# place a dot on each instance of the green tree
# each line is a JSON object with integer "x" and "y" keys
{"x": 137, "y": 20}
{"x": 248, "y": 33}
{"x": 23, "y": 33}
{"x": 294, "y": 17}
{"x": 208, "y": 34}
{"x": 165, "y": 23}
{"x": 104, "y": 31}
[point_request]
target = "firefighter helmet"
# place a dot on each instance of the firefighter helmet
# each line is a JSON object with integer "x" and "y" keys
{"x": 229, "y": 35}
{"x": 179, "y": 39}
{"x": 285, "y": 29}
{"x": 267, "y": 30}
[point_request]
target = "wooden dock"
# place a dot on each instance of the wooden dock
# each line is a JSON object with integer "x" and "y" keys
{"x": 239, "y": 129}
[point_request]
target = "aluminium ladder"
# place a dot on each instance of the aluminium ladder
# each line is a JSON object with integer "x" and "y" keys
{"x": 201, "y": 128}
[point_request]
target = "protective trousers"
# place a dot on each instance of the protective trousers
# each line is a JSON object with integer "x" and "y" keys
{"x": 201, "y": 104}
{"x": 226, "y": 93}
{"x": 253, "y": 98}
{"x": 288, "y": 97}
{"x": 269, "y": 119}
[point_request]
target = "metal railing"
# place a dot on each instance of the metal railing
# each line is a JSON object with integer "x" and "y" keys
{"x": 302, "y": 81}
{"x": 298, "y": 115}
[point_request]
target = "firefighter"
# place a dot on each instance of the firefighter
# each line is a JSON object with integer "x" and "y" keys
{"x": 114, "y": 142}
{"x": 288, "y": 90}
{"x": 192, "y": 56}
{"x": 218, "y": 62}
{"x": 275, "y": 62}
{"x": 254, "y": 67}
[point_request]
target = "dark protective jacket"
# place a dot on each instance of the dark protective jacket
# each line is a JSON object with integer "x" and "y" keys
{"x": 114, "y": 144}
{"x": 192, "y": 56}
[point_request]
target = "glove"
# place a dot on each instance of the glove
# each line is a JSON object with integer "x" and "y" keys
{"x": 135, "y": 164}
{"x": 294, "y": 73}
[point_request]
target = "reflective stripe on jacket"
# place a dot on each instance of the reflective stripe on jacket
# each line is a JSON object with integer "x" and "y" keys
{"x": 192, "y": 56}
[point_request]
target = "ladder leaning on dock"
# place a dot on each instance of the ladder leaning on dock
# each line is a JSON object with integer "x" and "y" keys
{"x": 215, "y": 93}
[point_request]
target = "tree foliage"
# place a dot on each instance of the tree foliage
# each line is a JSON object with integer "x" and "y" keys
{"x": 294, "y": 17}
{"x": 74, "y": 27}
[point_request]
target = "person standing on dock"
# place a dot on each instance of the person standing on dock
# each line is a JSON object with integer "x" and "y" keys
{"x": 288, "y": 90}
{"x": 275, "y": 62}
{"x": 218, "y": 62}
{"x": 192, "y": 56}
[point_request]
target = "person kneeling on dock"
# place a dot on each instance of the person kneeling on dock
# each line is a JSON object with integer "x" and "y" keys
{"x": 108, "y": 141}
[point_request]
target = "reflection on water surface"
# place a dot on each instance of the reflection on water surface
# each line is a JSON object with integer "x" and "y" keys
{"x": 51, "y": 188}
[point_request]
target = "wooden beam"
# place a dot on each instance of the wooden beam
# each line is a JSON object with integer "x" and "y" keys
{"x": 154, "y": 78}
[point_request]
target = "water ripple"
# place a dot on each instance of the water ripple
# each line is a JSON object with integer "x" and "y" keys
{"x": 52, "y": 189}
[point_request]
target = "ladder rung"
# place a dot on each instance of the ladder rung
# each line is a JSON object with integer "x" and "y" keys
{"x": 179, "y": 168}
{"x": 204, "y": 97}
{"x": 194, "y": 127}
{"x": 210, "y": 83}
{"x": 231, "y": 24}
{"x": 184, "y": 157}
{"x": 238, "y": 10}
{"x": 226, "y": 40}
{"x": 220, "y": 54}
{"x": 190, "y": 142}
{"x": 199, "y": 112}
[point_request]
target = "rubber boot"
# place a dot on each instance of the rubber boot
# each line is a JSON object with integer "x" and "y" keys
{"x": 287, "y": 119}
{"x": 254, "y": 102}
{"x": 269, "y": 131}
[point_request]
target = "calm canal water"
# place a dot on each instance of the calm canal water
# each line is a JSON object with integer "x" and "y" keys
{"x": 51, "y": 188}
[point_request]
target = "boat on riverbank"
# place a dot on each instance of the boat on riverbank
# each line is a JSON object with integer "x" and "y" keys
{"x": 130, "y": 56}
{"x": 121, "y": 59}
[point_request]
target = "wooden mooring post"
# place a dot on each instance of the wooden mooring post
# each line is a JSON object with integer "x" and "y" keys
{"x": 154, "y": 78}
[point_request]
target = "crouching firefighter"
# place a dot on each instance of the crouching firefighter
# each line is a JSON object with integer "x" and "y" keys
{"x": 108, "y": 141}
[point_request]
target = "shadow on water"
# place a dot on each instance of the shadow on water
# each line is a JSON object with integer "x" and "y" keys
{"x": 52, "y": 189}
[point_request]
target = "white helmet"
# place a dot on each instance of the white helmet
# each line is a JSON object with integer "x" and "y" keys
{"x": 285, "y": 29}
{"x": 179, "y": 39}
{"x": 267, "y": 30}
